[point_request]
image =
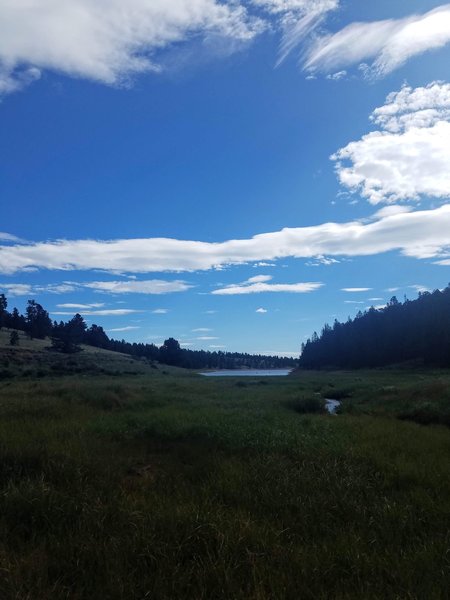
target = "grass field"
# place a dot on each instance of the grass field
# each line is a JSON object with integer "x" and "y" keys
{"x": 129, "y": 481}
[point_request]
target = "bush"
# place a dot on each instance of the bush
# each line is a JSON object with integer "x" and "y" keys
{"x": 6, "y": 374}
{"x": 307, "y": 405}
{"x": 337, "y": 394}
{"x": 14, "y": 338}
{"x": 426, "y": 414}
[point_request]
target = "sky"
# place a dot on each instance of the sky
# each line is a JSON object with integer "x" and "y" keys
{"x": 233, "y": 174}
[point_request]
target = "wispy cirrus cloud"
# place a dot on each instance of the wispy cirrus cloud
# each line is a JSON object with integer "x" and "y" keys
{"x": 418, "y": 234}
{"x": 356, "y": 289}
{"x": 410, "y": 157}
{"x": 294, "y": 7}
{"x": 299, "y": 20}
{"x": 114, "y": 41}
{"x": 389, "y": 43}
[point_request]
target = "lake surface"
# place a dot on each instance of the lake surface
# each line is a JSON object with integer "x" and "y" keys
{"x": 248, "y": 373}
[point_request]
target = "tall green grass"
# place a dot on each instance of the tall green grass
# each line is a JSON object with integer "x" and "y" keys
{"x": 173, "y": 487}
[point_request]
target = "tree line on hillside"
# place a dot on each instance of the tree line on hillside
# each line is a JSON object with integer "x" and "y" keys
{"x": 413, "y": 330}
{"x": 68, "y": 336}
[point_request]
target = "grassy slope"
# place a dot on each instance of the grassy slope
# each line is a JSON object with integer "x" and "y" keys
{"x": 167, "y": 485}
{"x": 34, "y": 358}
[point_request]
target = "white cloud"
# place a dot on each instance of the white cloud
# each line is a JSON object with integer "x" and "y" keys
{"x": 262, "y": 311}
{"x": 201, "y": 330}
{"x": 259, "y": 279}
{"x": 356, "y": 289}
{"x": 151, "y": 286}
{"x": 354, "y": 301}
{"x": 391, "y": 43}
{"x": 420, "y": 288}
{"x": 407, "y": 159}
{"x": 388, "y": 211}
{"x": 26, "y": 289}
{"x": 247, "y": 287}
{"x": 116, "y": 312}
{"x": 81, "y": 306}
{"x": 299, "y": 23}
{"x": 128, "y": 328}
{"x": 322, "y": 260}
{"x": 57, "y": 288}
{"x": 8, "y": 237}
{"x": 217, "y": 346}
{"x": 16, "y": 289}
{"x": 207, "y": 337}
{"x": 377, "y": 307}
{"x": 337, "y": 76}
{"x": 296, "y": 6}
{"x": 414, "y": 107}
{"x": 108, "y": 41}
{"x": 419, "y": 234}
{"x": 160, "y": 311}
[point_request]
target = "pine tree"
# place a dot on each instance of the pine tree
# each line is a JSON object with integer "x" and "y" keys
{"x": 14, "y": 338}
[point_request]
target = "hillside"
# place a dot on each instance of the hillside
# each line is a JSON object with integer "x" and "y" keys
{"x": 35, "y": 358}
{"x": 415, "y": 331}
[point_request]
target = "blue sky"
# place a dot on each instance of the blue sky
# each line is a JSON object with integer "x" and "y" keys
{"x": 231, "y": 174}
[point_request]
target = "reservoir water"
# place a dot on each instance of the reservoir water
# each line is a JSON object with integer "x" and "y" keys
{"x": 248, "y": 373}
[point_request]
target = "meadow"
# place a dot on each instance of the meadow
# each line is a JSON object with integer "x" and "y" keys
{"x": 120, "y": 479}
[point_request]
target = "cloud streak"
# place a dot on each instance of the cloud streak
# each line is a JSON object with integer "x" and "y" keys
{"x": 389, "y": 43}
{"x": 114, "y": 312}
{"x": 151, "y": 286}
{"x": 258, "y": 285}
{"x": 418, "y": 234}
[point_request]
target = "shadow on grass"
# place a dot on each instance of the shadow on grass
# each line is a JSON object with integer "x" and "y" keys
{"x": 309, "y": 405}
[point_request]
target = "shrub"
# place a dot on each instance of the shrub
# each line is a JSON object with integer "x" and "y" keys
{"x": 14, "y": 338}
{"x": 426, "y": 414}
{"x": 311, "y": 404}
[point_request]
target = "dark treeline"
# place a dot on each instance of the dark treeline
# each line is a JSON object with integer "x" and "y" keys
{"x": 68, "y": 336}
{"x": 413, "y": 330}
